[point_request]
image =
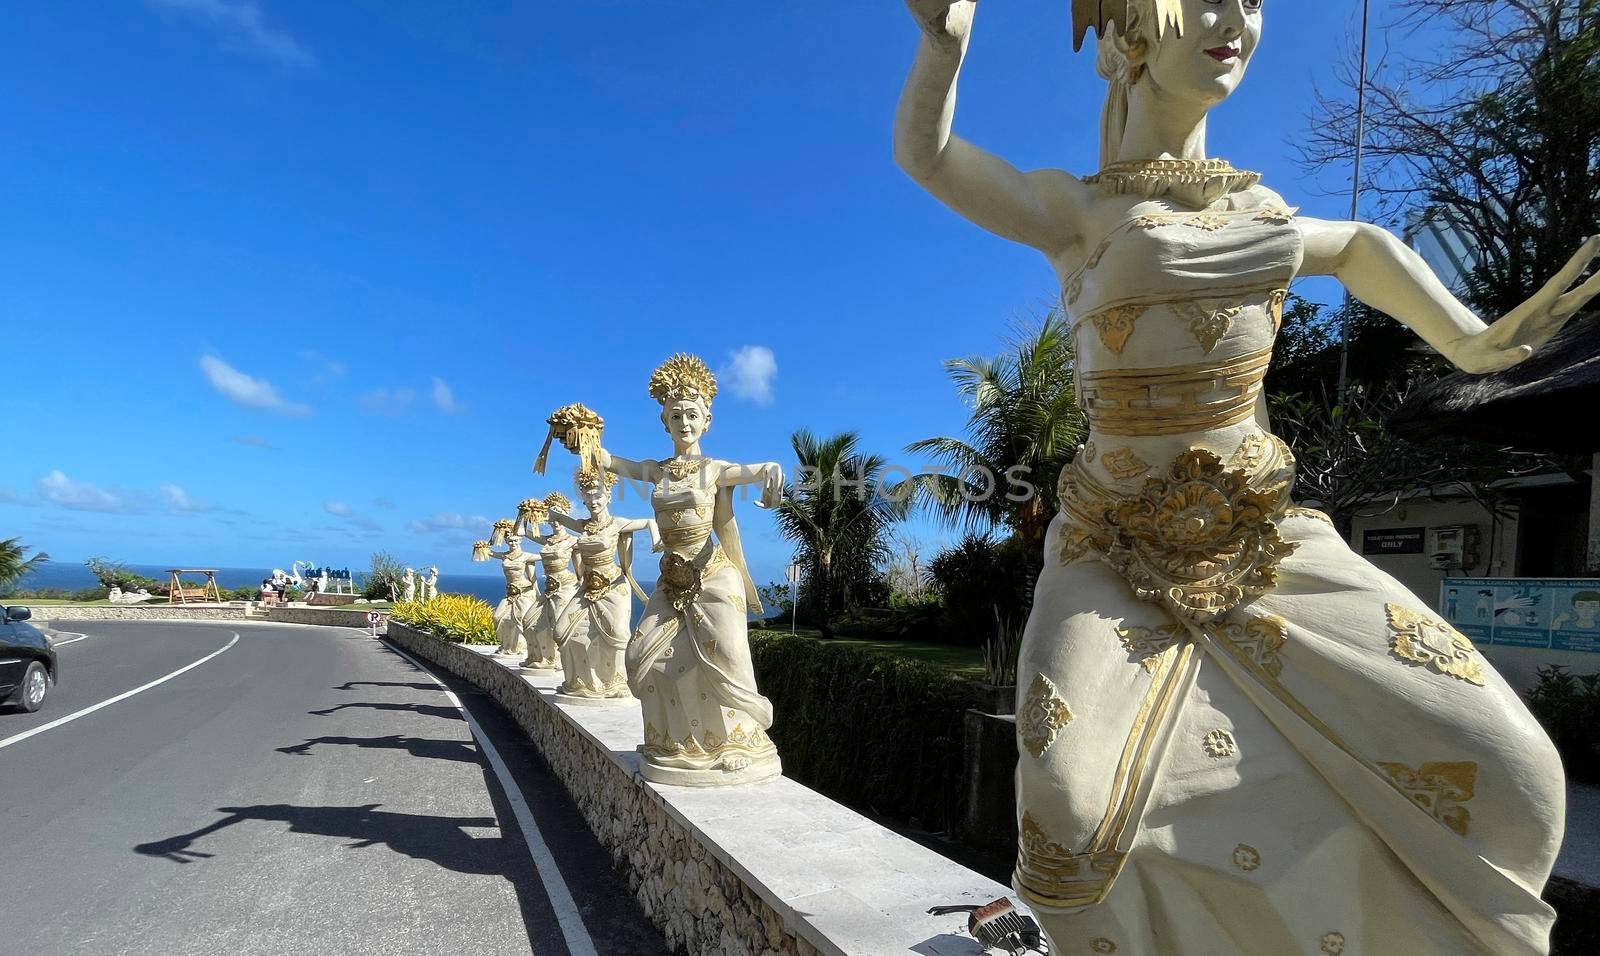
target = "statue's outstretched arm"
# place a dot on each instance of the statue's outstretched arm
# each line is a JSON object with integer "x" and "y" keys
{"x": 566, "y": 521}
{"x": 768, "y": 474}
{"x": 1040, "y": 209}
{"x": 628, "y": 468}
{"x": 1387, "y": 275}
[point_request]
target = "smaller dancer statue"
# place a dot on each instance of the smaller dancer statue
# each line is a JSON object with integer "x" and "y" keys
{"x": 593, "y": 629}
{"x": 560, "y": 583}
{"x": 518, "y": 567}
{"x": 430, "y": 584}
{"x": 411, "y": 586}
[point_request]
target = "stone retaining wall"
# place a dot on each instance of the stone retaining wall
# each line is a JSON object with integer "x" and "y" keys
{"x": 768, "y": 870}
{"x": 59, "y": 613}
{"x": 137, "y": 612}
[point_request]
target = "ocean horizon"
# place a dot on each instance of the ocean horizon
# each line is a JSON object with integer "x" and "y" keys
{"x": 74, "y": 576}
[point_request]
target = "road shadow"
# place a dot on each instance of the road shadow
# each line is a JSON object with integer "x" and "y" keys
{"x": 426, "y": 710}
{"x": 353, "y": 684}
{"x": 464, "y": 751}
{"x": 439, "y": 840}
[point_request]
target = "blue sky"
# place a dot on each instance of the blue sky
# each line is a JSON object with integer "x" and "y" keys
{"x": 285, "y": 279}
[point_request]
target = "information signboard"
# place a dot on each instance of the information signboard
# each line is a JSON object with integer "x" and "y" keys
{"x": 1560, "y": 614}
{"x": 1394, "y": 541}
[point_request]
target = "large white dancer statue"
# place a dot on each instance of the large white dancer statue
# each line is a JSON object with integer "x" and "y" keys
{"x": 705, "y": 723}
{"x": 1236, "y": 735}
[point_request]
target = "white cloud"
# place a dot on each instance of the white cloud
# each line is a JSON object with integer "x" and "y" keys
{"x": 750, "y": 372}
{"x": 328, "y": 370}
{"x": 444, "y": 399}
{"x": 447, "y": 521}
{"x": 337, "y": 508}
{"x": 58, "y": 489}
{"x": 179, "y": 500}
{"x": 387, "y": 401}
{"x": 384, "y": 503}
{"x": 245, "y": 26}
{"x": 247, "y": 390}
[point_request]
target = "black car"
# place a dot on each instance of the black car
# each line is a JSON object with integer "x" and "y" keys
{"x": 27, "y": 661}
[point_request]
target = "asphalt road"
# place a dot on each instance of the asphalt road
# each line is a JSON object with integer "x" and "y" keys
{"x": 307, "y": 790}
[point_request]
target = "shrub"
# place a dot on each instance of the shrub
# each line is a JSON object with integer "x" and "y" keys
{"x": 115, "y": 574}
{"x": 454, "y": 617}
{"x": 871, "y": 730}
{"x": 982, "y": 581}
{"x": 1568, "y": 705}
{"x": 385, "y": 580}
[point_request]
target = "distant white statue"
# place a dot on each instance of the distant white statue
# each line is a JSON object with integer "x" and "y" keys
{"x": 118, "y": 596}
{"x": 322, "y": 581}
{"x": 411, "y": 586}
{"x": 560, "y": 583}
{"x": 430, "y": 585}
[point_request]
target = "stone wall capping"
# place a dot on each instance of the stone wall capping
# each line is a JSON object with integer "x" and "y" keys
{"x": 768, "y": 869}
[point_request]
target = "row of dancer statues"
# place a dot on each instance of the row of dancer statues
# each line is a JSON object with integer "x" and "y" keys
{"x": 415, "y": 586}
{"x": 687, "y": 664}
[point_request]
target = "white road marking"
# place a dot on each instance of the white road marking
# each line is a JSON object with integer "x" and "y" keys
{"x": 80, "y": 637}
{"x": 579, "y": 942}
{"x": 120, "y": 697}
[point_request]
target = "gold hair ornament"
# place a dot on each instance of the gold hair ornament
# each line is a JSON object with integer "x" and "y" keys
{"x": 579, "y": 429}
{"x": 589, "y": 479}
{"x": 558, "y": 502}
{"x": 683, "y": 378}
{"x": 480, "y": 550}
{"x": 1096, "y": 14}
{"x": 532, "y": 510}
{"x": 502, "y": 530}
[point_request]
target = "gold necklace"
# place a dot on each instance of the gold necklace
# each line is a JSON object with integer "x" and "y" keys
{"x": 1206, "y": 180}
{"x": 681, "y": 468}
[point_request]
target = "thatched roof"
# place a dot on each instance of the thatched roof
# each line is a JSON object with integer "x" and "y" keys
{"x": 1551, "y": 402}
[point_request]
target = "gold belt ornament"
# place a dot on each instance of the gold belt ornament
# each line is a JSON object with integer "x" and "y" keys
{"x": 1199, "y": 540}
{"x": 517, "y": 590}
{"x": 1174, "y": 401}
{"x": 685, "y": 537}
{"x": 684, "y": 578}
{"x": 600, "y": 580}
{"x": 555, "y": 581}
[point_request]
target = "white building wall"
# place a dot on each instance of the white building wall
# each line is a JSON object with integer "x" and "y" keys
{"x": 1497, "y": 544}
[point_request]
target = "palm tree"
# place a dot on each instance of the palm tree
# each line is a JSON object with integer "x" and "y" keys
{"x": 12, "y": 563}
{"x": 1025, "y": 424}
{"x": 837, "y": 514}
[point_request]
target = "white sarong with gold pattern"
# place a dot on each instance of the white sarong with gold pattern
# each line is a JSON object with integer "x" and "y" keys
{"x": 1236, "y": 735}
{"x": 690, "y": 664}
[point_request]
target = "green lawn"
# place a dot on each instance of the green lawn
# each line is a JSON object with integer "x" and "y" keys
{"x": 966, "y": 661}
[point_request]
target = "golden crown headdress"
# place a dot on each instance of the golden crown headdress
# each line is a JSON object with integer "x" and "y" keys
{"x": 480, "y": 550}
{"x": 556, "y": 501}
{"x": 683, "y": 378}
{"x": 1095, "y": 14}
{"x": 532, "y": 508}
{"x": 502, "y": 530}
{"x": 587, "y": 479}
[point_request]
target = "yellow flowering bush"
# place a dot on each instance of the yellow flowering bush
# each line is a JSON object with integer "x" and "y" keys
{"x": 454, "y": 617}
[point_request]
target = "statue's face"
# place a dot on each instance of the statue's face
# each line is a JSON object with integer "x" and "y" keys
{"x": 686, "y": 421}
{"x": 596, "y": 496}
{"x": 1208, "y": 61}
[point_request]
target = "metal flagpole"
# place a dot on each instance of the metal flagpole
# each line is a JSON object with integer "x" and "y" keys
{"x": 1355, "y": 201}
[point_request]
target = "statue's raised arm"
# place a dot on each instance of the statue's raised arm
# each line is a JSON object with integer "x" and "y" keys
{"x": 1389, "y": 276}
{"x": 1041, "y": 209}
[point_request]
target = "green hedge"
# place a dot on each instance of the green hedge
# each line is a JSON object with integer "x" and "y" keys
{"x": 868, "y": 729}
